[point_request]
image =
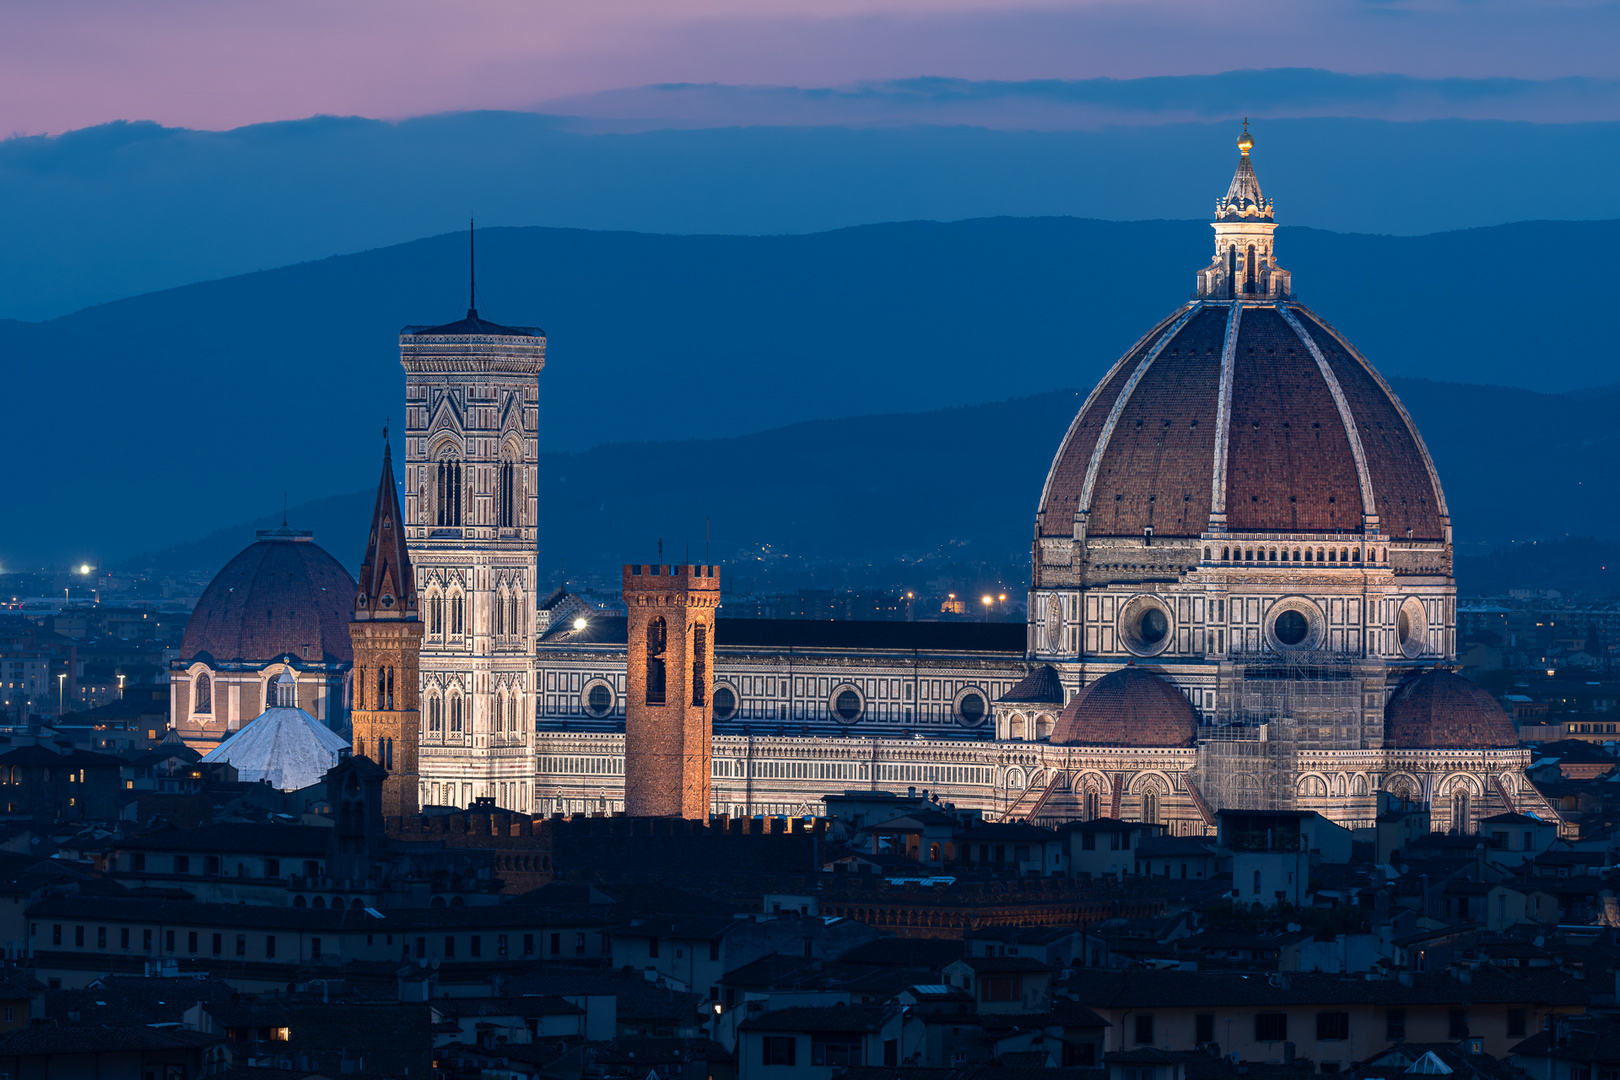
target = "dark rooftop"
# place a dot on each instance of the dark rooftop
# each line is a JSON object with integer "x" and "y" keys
{"x": 472, "y": 324}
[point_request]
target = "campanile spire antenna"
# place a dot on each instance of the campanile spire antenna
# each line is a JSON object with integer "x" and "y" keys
{"x": 472, "y": 269}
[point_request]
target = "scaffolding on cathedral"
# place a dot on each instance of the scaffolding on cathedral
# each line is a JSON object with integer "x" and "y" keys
{"x": 1271, "y": 707}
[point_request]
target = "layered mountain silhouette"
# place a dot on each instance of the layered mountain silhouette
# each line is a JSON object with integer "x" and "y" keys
{"x": 961, "y": 485}
{"x": 810, "y": 370}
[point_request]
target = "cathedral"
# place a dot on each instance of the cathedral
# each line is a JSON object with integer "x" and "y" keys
{"x": 1241, "y": 596}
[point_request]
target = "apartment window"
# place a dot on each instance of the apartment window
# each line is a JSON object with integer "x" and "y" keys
{"x": 528, "y": 944}
{"x": 1459, "y": 1023}
{"x": 314, "y": 948}
{"x": 1270, "y": 1027}
{"x": 449, "y": 947}
{"x": 123, "y": 937}
{"x": 182, "y": 864}
{"x": 714, "y": 949}
{"x": 56, "y": 934}
{"x": 219, "y": 944}
{"x": 579, "y": 944}
{"x": 1204, "y": 1028}
{"x": 778, "y": 1050}
{"x": 1394, "y": 1024}
{"x": 1088, "y": 841}
{"x": 137, "y": 862}
{"x": 210, "y": 864}
{"x": 1144, "y": 1028}
{"x": 241, "y": 944}
{"x": 500, "y": 944}
{"x": 421, "y": 948}
{"x": 101, "y": 937}
{"x": 476, "y": 944}
{"x": 652, "y": 948}
{"x": 1515, "y": 1023}
{"x": 191, "y": 941}
{"x": 269, "y": 946}
{"x": 272, "y": 868}
{"x": 78, "y": 937}
{"x": 146, "y": 939}
{"x": 999, "y": 988}
{"x": 835, "y": 1050}
{"x": 556, "y": 944}
{"x": 168, "y": 941}
{"x": 1332, "y": 1025}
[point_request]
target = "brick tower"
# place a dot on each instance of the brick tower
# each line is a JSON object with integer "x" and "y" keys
{"x": 668, "y": 719}
{"x": 387, "y": 636}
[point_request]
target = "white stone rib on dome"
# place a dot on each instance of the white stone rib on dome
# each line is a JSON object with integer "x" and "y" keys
{"x": 286, "y": 747}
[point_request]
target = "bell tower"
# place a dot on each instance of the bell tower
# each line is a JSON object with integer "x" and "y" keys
{"x": 668, "y": 718}
{"x": 472, "y": 450}
{"x": 386, "y": 629}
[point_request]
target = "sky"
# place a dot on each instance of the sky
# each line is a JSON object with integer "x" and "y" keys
{"x": 220, "y": 64}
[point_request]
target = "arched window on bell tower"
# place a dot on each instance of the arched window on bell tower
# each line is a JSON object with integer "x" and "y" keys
{"x": 657, "y": 638}
{"x": 447, "y": 492}
{"x": 1248, "y": 278}
{"x": 506, "y": 491}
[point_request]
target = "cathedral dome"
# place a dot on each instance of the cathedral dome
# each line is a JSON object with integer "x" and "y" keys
{"x": 1243, "y": 412}
{"x": 1128, "y": 707}
{"x": 1442, "y": 710}
{"x": 1284, "y": 428}
{"x": 283, "y": 594}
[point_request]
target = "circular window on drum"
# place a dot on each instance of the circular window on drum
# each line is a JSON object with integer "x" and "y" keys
{"x": 598, "y": 698}
{"x": 847, "y": 703}
{"x": 1146, "y": 626}
{"x": 971, "y": 707}
{"x": 725, "y": 702}
{"x": 1411, "y": 627}
{"x": 1295, "y": 623}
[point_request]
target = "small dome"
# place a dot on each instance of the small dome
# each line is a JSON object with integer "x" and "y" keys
{"x": 287, "y": 748}
{"x": 1128, "y": 707}
{"x": 1441, "y": 710}
{"x": 283, "y": 594}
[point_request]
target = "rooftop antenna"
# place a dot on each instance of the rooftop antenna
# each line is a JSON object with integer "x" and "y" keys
{"x": 472, "y": 270}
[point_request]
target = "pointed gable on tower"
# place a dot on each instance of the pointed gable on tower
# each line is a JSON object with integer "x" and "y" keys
{"x": 387, "y": 585}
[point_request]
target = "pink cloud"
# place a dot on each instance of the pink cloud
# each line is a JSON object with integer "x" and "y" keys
{"x": 222, "y": 63}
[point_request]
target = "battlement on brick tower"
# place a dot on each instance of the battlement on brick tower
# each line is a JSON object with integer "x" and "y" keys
{"x": 668, "y": 713}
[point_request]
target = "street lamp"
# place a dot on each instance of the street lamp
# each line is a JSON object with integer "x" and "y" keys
{"x": 61, "y": 692}
{"x": 988, "y": 600}
{"x": 120, "y": 687}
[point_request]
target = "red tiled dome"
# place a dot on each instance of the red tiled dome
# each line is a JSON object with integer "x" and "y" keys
{"x": 1441, "y": 710}
{"x": 282, "y": 594}
{"x": 1128, "y": 707}
{"x": 1147, "y": 435}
